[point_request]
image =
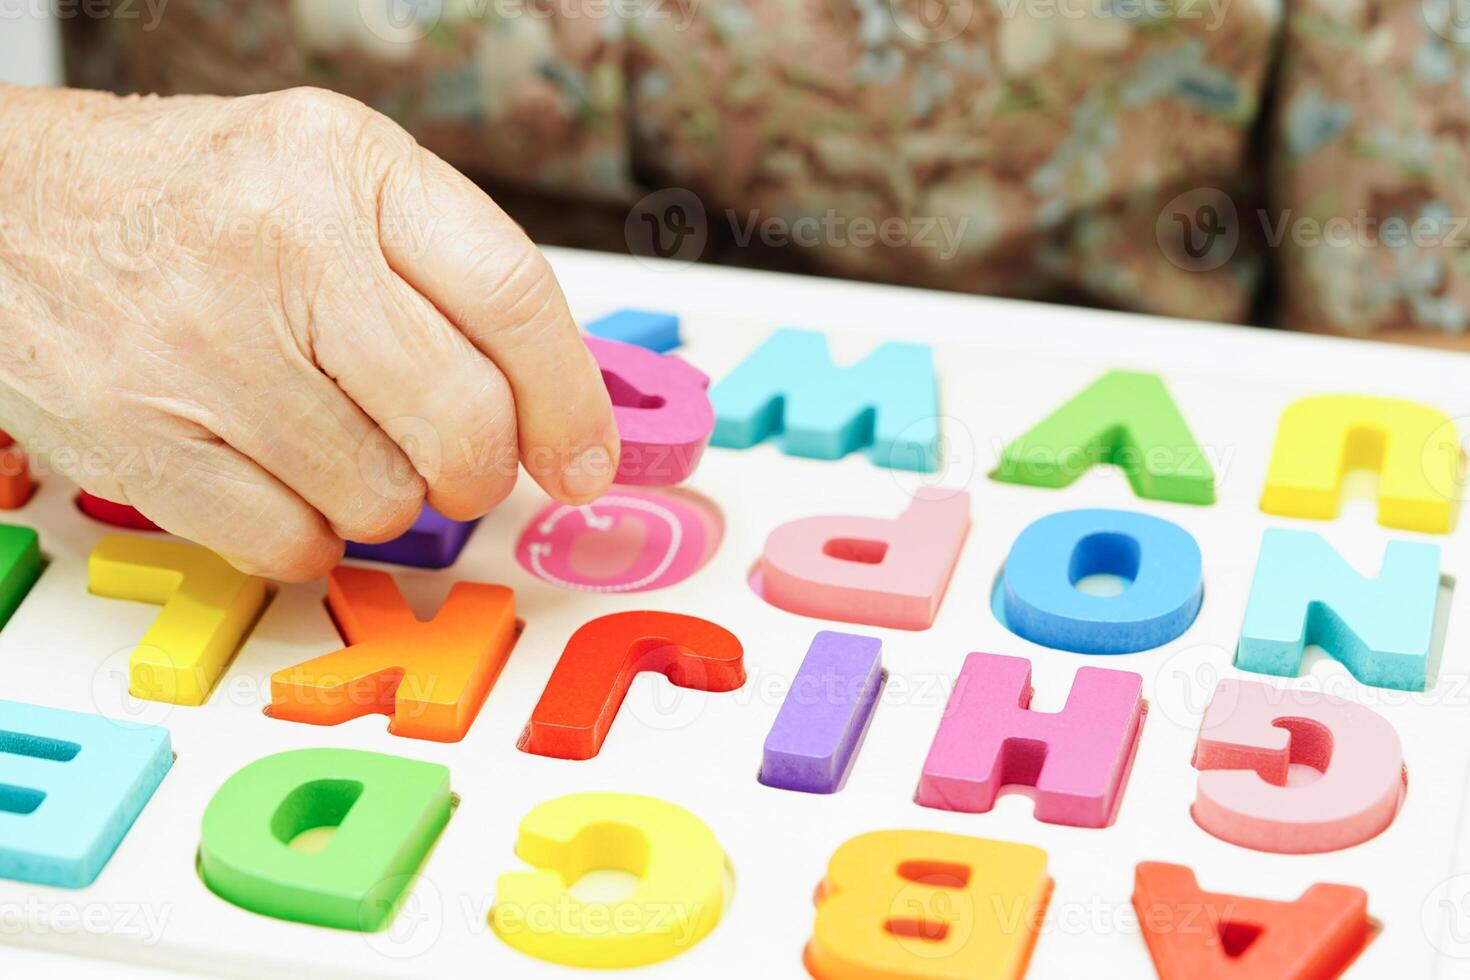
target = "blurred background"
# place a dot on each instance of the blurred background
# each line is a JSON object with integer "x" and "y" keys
{"x": 1297, "y": 165}
{"x": 30, "y": 50}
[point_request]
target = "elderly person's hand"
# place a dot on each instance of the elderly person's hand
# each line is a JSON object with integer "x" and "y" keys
{"x": 274, "y": 323}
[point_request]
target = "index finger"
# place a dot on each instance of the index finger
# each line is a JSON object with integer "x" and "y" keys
{"x": 449, "y": 240}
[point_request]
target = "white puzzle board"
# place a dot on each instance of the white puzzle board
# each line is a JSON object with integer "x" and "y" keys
{"x": 1003, "y": 366}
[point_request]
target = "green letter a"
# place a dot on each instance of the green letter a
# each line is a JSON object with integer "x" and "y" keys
{"x": 1125, "y": 418}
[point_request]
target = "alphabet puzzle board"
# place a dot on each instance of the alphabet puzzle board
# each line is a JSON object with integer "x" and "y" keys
{"x": 1002, "y": 367}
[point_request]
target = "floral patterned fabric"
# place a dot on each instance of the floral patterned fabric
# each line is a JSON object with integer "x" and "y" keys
{"x": 1220, "y": 159}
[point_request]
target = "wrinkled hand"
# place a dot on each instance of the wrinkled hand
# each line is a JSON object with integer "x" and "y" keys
{"x": 274, "y": 323}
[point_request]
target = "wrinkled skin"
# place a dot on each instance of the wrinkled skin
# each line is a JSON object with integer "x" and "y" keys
{"x": 274, "y": 323}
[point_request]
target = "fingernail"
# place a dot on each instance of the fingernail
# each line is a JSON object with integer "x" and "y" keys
{"x": 589, "y": 473}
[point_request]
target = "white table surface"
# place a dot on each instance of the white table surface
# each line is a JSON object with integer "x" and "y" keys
{"x": 1006, "y": 329}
